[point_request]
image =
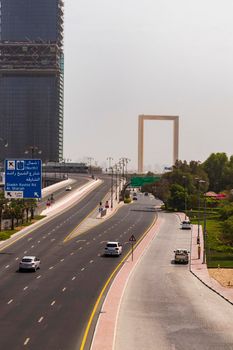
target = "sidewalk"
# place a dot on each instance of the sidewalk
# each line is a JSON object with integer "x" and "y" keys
{"x": 199, "y": 269}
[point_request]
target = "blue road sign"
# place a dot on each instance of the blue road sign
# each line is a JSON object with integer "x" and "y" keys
{"x": 23, "y": 178}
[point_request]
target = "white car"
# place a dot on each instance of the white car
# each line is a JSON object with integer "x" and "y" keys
{"x": 113, "y": 248}
{"x": 68, "y": 188}
{"x": 186, "y": 225}
{"x": 29, "y": 263}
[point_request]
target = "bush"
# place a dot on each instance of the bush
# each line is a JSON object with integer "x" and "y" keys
{"x": 225, "y": 212}
{"x": 5, "y": 235}
{"x": 127, "y": 200}
{"x": 227, "y": 233}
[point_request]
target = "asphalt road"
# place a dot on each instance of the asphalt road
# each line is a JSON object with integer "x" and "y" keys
{"x": 165, "y": 307}
{"x": 80, "y": 180}
{"x": 50, "y": 309}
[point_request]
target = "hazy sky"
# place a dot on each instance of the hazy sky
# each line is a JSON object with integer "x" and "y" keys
{"x": 129, "y": 57}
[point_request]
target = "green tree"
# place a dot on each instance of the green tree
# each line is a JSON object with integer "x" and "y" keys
{"x": 177, "y": 197}
{"x": 215, "y": 166}
{"x": 3, "y": 202}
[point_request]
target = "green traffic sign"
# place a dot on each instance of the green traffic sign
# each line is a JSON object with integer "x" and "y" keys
{"x": 140, "y": 181}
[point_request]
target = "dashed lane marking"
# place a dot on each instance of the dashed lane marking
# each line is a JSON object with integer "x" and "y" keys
{"x": 53, "y": 302}
{"x": 91, "y": 261}
{"x": 51, "y": 267}
{"x": 73, "y": 278}
{"x": 6, "y": 267}
{"x": 83, "y": 269}
{"x": 40, "y": 319}
{"x": 17, "y": 258}
{"x": 62, "y": 260}
{"x": 38, "y": 277}
{"x": 63, "y": 289}
{"x": 10, "y": 301}
{"x": 25, "y": 288}
{"x": 26, "y": 341}
{"x": 72, "y": 253}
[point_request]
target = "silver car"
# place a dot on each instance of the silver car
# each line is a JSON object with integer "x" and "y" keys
{"x": 29, "y": 263}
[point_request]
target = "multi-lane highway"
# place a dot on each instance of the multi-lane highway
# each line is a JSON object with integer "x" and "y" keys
{"x": 50, "y": 309}
{"x": 165, "y": 307}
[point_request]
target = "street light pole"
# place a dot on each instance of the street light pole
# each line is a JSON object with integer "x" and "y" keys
{"x": 185, "y": 198}
{"x": 116, "y": 169}
{"x": 199, "y": 200}
{"x": 204, "y": 234}
{"x": 90, "y": 159}
{"x": 111, "y": 187}
{"x": 109, "y": 162}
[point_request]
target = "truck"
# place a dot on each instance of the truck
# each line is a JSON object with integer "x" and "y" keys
{"x": 181, "y": 256}
{"x": 113, "y": 248}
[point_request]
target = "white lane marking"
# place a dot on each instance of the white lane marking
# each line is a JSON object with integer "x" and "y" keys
{"x": 25, "y": 288}
{"x": 64, "y": 289}
{"x": 26, "y": 341}
{"x": 62, "y": 259}
{"x": 73, "y": 278}
{"x": 29, "y": 239}
{"x": 87, "y": 243}
{"x": 25, "y": 252}
{"x": 10, "y": 301}
{"x": 99, "y": 254}
{"x": 83, "y": 269}
{"x": 32, "y": 246}
{"x": 80, "y": 248}
{"x": 17, "y": 258}
{"x": 40, "y": 319}
{"x": 53, "y": 239}
{"x": 49, "y": 233}
{"x": 6, "y": 267}
{"x": 72, "y": 253}
{"x": 53, "y": 302}
{"x": 51, "y": 267}
{"x": 93, "y": 239}
{"x": 38, "y": 277}
{"x": 38, "y": 241}
{"x": 44, "y": 237}
{"x": 91, "y": 261}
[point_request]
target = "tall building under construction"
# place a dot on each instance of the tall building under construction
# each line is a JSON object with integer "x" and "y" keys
{"x": 31, "y": 79}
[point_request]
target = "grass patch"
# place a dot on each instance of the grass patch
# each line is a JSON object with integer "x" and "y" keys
{"x": 8, "y": 233}
{"x": 217, "y": 252}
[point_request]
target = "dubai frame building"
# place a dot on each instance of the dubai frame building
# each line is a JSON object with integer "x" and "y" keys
{"x": 141, "y": 119}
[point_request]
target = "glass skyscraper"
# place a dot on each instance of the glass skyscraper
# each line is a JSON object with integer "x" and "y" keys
{"x": 31, "y": 79}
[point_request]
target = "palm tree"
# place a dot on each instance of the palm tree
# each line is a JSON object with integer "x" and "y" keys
{"x": 3, "y": 202}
